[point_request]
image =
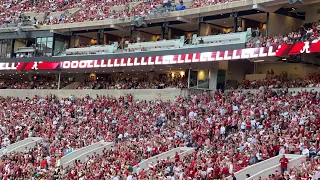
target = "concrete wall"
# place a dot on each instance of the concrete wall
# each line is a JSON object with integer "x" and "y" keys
{"x": 255, "y": 91}
{"x": 294, "y": 162}
{"x": 20, "y": 145}
{"x": 205, "y": 30}
{"x": 300, "y": 70}
{"x": 182, "y": 151}
{"x": 280, "y": 24}
{"x": 238, "y": 69}
{"x": 272, "y": 162}
{"x": 142, "y": 94}
{"x": 313, "y": 14}
{"x": 82, "y": 153}
{"x": 291, "y": 68}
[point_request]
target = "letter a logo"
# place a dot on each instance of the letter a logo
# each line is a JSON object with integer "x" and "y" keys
{"x": 35, "y": 65}
{"x": 306, "y": 47}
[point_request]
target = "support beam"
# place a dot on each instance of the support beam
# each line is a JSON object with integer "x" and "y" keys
{"x": 12, "y": 47}
{"x": 235, "y": 21}
{"x": 267, "y": 24}
{"x": 200, "y": 21}
{"x": 213, "y": 76}
{"x": 189, "y": 79}
{"x": 59, "y": 80}
{"x": 100, "y": 33}
{"x": 132, "y": 29}
{"x": 163, "y": 29}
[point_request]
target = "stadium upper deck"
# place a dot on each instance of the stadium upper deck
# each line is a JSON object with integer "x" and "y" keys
{"x": 55, "y": 14}
{"x": 200, "y": 35}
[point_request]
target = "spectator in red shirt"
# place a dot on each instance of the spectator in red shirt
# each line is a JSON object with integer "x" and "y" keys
{"x": 284, "y": 163}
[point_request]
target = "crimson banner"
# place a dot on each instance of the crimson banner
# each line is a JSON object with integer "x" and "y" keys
{"x": 249, "y": 53}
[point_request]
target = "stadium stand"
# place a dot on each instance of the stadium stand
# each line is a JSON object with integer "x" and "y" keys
{"x": 263, "y": 126}
{"x": 307, "y": 32}
{"x": 132, "y": 82}
{"x": 282, "y": 81}
{"x": 171, "y": 122}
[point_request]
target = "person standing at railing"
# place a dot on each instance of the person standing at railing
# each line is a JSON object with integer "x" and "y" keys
{"x": 284, "y": 163}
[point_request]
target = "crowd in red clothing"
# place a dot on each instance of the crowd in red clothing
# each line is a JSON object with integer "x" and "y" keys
{"x": 11, "y": 10}
{"x": 135, "y": 82}
{"x": 89, "y": 10}
{"x": 27, "y": 84}
{"x": 282, "y": 81}
{"x": 309, "y": 170}
{"x": 229, "y": 131}
{"x": 307, "y": 32}
{"x": 203, "y": 3}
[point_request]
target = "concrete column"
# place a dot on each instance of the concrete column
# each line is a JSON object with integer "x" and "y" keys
{"x": 104, "y": 38}
{"x": 200, "y": 21}
{"x": 99, "y": 34}
{"x": 12, "y": 48}
{"x": 131, "y": 32}
{"x": 77, "y": 41}
{"x": 235, "y": 21}
{"x": 163, "y": 29}
{"x": 169, "y": 33}
{"x": 267, "y": 25}
{"x": 213, "y": 76}
{"x": 205, "y": 29}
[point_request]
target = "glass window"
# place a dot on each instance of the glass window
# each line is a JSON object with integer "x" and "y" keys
{"x": 49, "y": 39}
{"x": 44, "y": 46}
{"x": 203, "y": 79}
{"x": 38, "y": 47}
{"x": 59, "y": 46}
{"x": 193, "y": 79}
{"x": 49, "y": 48}
{"x": 5, "y": 48}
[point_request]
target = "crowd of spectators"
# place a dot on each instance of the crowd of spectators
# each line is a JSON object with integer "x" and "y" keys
{"x": 135, "y": 82}
{"x": 89, "y": 10}
{"x": 229, "y": 131}
{"x": 27, "y": 84}
{"x": 203, "y": 3}
{"x": 307, "y": 32}
{"x": 305, "y": 171}
{"x": 11, "y": 11}
{"x": 282, "y": 81}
